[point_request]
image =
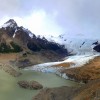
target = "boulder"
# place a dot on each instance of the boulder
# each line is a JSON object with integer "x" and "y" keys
{"x": 33, "y": 85}
{"x": 23, "y": 84}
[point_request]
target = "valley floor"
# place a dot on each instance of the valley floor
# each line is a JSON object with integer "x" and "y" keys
{"x": 84, "y": 68}
{"x": 80, "y": 68}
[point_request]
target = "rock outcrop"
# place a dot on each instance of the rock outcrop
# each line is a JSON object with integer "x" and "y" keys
{"x": 10, "y": 70}
{"x": 97, "y": 48}
{"x": 60, "y": 93}
{"x": 33, "y": 85}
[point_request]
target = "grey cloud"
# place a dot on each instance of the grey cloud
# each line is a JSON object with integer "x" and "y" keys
{"x": 73, "y": 15}
{"x": 8, "y": 7}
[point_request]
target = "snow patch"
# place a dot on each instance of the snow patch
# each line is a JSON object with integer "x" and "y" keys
{"x": 31, "y": 35}
{"x": 14, "y": 35}
{"x": 10, "y": 23}
{"x": 6, "y": 25}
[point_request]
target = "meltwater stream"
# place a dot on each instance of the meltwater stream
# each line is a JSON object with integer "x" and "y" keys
{"x": 9, "y": 90}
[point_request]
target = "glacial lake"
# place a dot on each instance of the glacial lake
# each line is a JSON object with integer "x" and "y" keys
{"x": 9, "y": 90}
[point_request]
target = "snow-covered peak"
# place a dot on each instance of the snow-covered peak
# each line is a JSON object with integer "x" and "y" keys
{"x": 11, "y": 23}
{"x": 77, "y": 43}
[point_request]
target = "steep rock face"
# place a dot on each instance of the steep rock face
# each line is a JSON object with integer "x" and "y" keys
{"x": 97, "y": 48}
{"x": 7, "y": 44}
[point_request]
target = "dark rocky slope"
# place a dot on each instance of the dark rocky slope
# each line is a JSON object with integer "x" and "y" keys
{"x": 15, "y": 39}
{"x": 11, "y": 35}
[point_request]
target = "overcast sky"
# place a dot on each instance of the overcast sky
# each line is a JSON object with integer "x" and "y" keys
{"x": 54, "y": 16}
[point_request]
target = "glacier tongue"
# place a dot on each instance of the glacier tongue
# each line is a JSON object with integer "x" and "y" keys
{"x": 78, "y": 60}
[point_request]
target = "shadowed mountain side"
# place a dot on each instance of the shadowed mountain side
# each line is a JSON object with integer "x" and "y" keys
{"x": 15, "y": 39}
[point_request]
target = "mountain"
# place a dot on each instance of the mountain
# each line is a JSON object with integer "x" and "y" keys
{"x": 15, "y": 39}
{"x": 77, "y": 44}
